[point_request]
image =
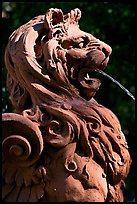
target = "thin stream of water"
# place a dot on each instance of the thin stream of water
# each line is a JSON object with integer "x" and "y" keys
{"x": 116, "y": 82}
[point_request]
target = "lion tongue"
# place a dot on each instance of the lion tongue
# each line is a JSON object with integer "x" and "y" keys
{"x": 89, "y": 85}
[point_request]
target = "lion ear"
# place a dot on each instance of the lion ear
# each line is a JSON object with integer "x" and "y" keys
{"x": 74, "y": 15}
{"x": 53, "y": 17}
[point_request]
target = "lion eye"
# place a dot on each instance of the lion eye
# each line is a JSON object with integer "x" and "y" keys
{"x": 78, "y": 45}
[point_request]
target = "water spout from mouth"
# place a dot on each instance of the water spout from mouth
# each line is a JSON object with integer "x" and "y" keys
{"x": 116, "y": 82}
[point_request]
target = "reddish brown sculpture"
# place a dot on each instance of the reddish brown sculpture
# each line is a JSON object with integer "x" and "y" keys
{"x": 60, "y": 144}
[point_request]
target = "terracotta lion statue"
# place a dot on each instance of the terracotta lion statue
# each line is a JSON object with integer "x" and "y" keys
{"x": 59, "y": 145}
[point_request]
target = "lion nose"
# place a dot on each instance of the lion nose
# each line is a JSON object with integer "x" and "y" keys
{"x": 106, "y": 49}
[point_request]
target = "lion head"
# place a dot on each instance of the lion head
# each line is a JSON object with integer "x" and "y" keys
{"x": 51, "y": 59}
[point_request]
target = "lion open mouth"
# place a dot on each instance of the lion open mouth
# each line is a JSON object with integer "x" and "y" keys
{"x": 83, "y": 69}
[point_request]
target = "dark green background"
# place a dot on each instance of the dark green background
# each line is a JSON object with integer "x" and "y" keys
{"x": 113, "y": 23}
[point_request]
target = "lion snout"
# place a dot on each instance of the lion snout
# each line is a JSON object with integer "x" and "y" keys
{"x": 98, "y": 55}
{"x": 105, "y": 48}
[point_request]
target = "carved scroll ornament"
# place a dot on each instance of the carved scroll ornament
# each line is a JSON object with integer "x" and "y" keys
{"x": 60, "y": 144}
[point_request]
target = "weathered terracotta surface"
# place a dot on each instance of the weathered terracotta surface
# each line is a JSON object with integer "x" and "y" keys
{"x": 60, "y": 144}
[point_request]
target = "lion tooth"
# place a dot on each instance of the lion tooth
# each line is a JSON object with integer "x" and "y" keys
{"x": 87, "y": 76}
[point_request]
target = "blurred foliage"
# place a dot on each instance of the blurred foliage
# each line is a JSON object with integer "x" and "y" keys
{"x": 111, "y": 22}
